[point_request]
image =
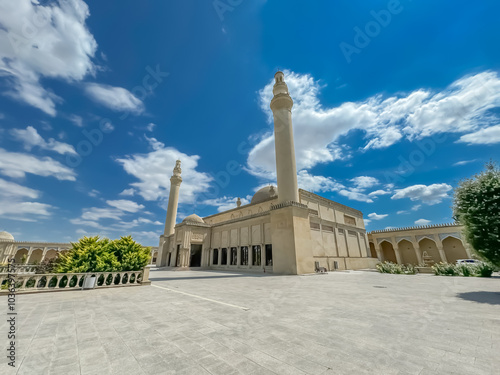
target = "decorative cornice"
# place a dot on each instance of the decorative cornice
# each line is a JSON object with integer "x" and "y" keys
{"x": 415, "y": 228}
{"x": 331, "y": 203}
{"x": 288, "y": 204}
{"x": 238, "y": 219}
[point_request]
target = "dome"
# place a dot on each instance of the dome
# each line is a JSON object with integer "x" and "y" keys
{"x": 193, "y": 219}
{"x": 264, "y": 194}
{"x": 6, "y": 236}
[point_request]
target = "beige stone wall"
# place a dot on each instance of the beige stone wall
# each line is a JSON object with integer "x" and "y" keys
{"x": 337, "y": 234}
{"x": 241, "y": 212}
{"x": 418, "y": 245}
{"x": 35, "y": 252}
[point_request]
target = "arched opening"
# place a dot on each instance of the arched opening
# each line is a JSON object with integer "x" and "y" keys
{"x": 21, "y": 256}
{"x": 429, "y": 247}
{"x": 373, "y": 252}
{"x": 36, "y": 256}
{"x": 153, "y": 258}
{"x": 215, "y": 259}
{"x": 454, "y": 249}
{"x": 407, "y": 251}
{"x": 223, "y": 254}
{"x": 195, "y": 259}
{"x": 51, "y": 254}
{"x": 388, "y": 252}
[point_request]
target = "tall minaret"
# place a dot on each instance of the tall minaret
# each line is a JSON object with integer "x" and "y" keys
{"x": 286, "y": 170}
{"x": 173, "y": 199}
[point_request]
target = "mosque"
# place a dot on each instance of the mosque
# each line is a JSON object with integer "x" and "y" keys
{"x": 284, "y": 229}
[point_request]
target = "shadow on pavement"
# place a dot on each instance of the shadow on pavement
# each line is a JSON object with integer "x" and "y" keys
{"x": 491, "y": 298}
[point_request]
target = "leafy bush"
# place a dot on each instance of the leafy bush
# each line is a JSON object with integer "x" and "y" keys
{"x": 130, "y": 254}
{"x": 48, "y": 265}
{"x": 484, "y": 270}
{"x": 447, "y": 269}
{"x": 93, "y": 254}
{"x": 389, "y": 267}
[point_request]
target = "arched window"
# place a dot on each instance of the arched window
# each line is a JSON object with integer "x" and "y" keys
{"x": 223, "y": 259}
{"x": 269, "y": 255}
{"x": 256, "y": 255}
{"x": 234, "y": 256}
{"x": 216, "y": 257}
{"x": 244, "y": 256}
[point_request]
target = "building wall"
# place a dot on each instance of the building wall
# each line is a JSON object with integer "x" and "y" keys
{"x": 419, "y": 245}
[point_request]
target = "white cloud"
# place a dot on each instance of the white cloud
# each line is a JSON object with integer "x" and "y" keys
{"x": 356, "y": 195}
{"x": 125, "y": 205}
{"x": 431, "y": 194}
{"x": 375, "y": 216}
{"x": 312, "y": 183}
{"x": 422, "y": 222}
{"x": 127, "y": 192}
{"x": 364, "y": 182}
{"x": 377, "y": 193}
{"x": 15, "y": 164}
{"x": 94, "y": 193}
{"x": 31, "y": 138}
{"x": 14, "y": 204}
{"x": 154, "y": 169}
{"x": 150, "y": 127}
{"x": 77, "y": 120}
{"x": 226, "y": 203}
{"x": 464, "y": 107}
{"x": 43, "y": 41}
{"x": 96, "y": 214}
{"x": 115, "y": 98}
{"x": 486, "y": 136}
{"x": 463, "y": 162}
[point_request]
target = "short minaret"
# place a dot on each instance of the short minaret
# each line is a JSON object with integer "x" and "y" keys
{"x": 173, "y": 199}
{"x": 286, "y": 169}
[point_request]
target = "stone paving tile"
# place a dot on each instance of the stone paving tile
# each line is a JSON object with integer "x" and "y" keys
{"x": 340, "y": 323}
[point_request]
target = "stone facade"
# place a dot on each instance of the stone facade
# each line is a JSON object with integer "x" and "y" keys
{"x": 26, "y": 252}
{"x": 420, "y": 245}
{"x": 283, "y": 230}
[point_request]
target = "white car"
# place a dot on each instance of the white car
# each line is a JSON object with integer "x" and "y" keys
{"x": 469, "y": 261}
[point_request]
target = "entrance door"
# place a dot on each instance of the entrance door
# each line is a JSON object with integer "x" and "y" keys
{"x": 195, "y": 256}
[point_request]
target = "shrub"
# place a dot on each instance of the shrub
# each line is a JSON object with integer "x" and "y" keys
{"x": 484, "y": 270}
{"x": 389, "y": 267}
{"x": 445, "y": 269}
{"x": 93, "y": 254}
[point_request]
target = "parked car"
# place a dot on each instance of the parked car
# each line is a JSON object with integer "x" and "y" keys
{"x": 469, "y": 261}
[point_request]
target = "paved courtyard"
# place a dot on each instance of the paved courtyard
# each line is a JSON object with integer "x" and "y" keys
{"x": 205, "y": 322}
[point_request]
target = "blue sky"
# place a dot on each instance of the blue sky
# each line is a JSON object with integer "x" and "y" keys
{"x": 395, "y": 102}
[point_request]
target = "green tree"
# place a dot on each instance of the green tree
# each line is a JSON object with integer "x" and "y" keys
{"x": 89, "y": 254}
{"x": 131, "y": 255}
{"x": 477, "y": 207}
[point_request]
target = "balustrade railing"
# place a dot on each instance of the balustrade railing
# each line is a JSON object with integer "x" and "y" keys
{"x": 57, "y": 281}
{"x": 19, "y": 268}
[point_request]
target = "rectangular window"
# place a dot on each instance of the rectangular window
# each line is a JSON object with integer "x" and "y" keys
{"x": 269, "y": 255}
{"x": 256, "y": 255}
{"x": 223, "y": 254}
{"x": 234, "y": 256}
{"x": 349, "y": 220}
{"x": 314, "y": 225}
{"x": 244, "y": 255}
{"x": 327, "y": 228}
{"x": 216, "y": 256}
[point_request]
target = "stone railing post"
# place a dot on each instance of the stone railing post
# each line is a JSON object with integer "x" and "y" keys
{"x": 145, "y": 275}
